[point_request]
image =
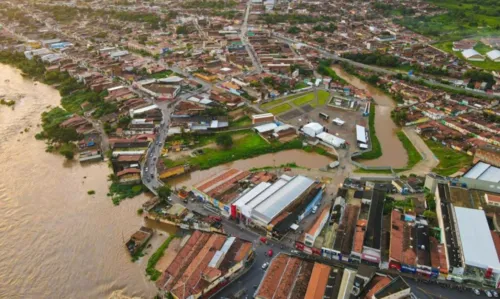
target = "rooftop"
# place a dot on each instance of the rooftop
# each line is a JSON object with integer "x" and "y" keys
{"x": 483, "y": 256}
{"x": 374, "y": 226}
{"x": 484, "y": 172}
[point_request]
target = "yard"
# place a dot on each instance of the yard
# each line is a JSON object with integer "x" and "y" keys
{"x": 280, "y": 109}
{"x": 480, "y": 47}
{"x": 248, "y": 146}
{"x": 244, "y": 121}
{"x": 450, "y": 161}
{"x": 161, "y": 75}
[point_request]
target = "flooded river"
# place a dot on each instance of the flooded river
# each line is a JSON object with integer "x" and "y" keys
{"x": 57, "y": 241}
{"x": 299, "y": 157}
{"x": 393, "y": 152}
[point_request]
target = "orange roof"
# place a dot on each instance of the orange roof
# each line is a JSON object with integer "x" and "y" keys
{"x": 359, "y": 235}
{"x": 318, "y": 281}
{"x": 312, "y": 231}
{"x": 380, "y": 282}
{"x": 128, "y": 171}
{"x": 493, "y": 198}
{"x": 244, "y": 250}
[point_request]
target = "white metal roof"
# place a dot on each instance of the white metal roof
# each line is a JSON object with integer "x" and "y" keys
{"x": 171, "y": 79}
{"x": 492, "y": 174}
{"x": 470, "y": 53}
{"x": 331, "y": 139}
{"x": 263, "y": 115}
{"x": 477, "y": 243}
{"x": 338, "y": 121}
{"x": 266, "y": 128}
{"x": 477, "y": 170}
{"x": 251, "y": 194}
{"x": 493, "y": 55}
{"x": 143, "y": 109}
{"x": 282, "y": 198}
{"x": 361, "y": 134}
{"x": 312, "y": 129}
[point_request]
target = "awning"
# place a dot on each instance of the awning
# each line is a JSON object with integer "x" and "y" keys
{"x": 294, "y": 226}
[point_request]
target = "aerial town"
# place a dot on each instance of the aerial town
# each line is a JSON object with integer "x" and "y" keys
{"x": 280, "y": 148}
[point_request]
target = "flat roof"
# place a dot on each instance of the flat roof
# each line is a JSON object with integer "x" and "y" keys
{"x": 274, "y": 204}
{"x": 361, "y": 134}
{"x": 374, "y": 226}
{"x": 474, "y": 230}
{"x": 266, "y": 127}
{"x": 484, "y": 172}
{"x": 251, "y": 194}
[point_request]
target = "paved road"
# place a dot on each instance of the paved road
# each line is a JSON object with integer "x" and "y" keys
{"x": 379, "y": 69}
{"x": 244, "y": 39}
{"x": 429, "y": 160}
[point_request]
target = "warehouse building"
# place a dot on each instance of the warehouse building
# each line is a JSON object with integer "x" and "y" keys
{"x": 266, "y": 201}
{"x": 482, "y": 176}
{"x": 481, "y": 262}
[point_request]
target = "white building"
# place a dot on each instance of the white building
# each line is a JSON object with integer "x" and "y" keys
{"x": 361, "y": 135}
{"x": 494, "y": 55}
{"x": 330, "y": 140}
{"x": 138, "y": 111}
{"x": 474, "y": 230}
{"x": 472, "y": 55}
{"x": 312, "y": 129}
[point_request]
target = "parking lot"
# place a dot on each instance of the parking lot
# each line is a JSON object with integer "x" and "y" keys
{"x": 347, "y": 131}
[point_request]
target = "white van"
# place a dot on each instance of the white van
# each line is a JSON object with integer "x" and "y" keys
{"x": 315, "y": 209}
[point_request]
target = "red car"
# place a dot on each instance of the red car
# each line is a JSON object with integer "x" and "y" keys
{"x": 270, "y": 253}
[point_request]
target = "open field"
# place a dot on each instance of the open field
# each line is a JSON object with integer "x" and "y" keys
{"x": 450, "y": 161}
{"x": 247, "y": 146}
{"x": 459, "y": 19}
{"x": 480, "y": 47}
{"x": 280, "y": 109}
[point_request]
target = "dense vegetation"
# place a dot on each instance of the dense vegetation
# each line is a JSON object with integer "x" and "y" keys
{"x": 376, "y": 151}
{"x": 209, "y": 4}
{"x": 73, "y": 93}
{"x": 413, "y": 155}
{"x": 155, "y": 257}
{"x": 459, "y": 18}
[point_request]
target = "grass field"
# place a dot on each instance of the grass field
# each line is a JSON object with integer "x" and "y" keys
{"x": 413, "y": 155}
{"x": 248, "y": 146}
{"x": 242, "y": 122}
{"x": 459, "y": 19}
{"x": 280, "y": 109}
{"x": 323, "y": 97}
{"x": 278, "y": 101}
{"x": 450, "y": 161}
{"x": 480, "y": 47}
{"x": 308, "y": 97}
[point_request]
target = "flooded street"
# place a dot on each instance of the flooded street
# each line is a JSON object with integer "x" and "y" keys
{"x": 58, "y": 241}
{"x": 393, "y": 152}
{"x": 301, "y": 158}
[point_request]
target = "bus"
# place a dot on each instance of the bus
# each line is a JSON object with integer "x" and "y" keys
{"x": 324, "y": 116}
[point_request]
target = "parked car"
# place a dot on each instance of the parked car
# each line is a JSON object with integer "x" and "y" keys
{"x": 315, "y": 209}
{"x": 294, "y": 251}
{"x": 488, "y": 293}
{"x": 476, "y": 291}
{"x": 146, "y": 170}
{"x": 494, "y": 293}
{"x": 265, "y": 265}
{"x": 270, "y": 253}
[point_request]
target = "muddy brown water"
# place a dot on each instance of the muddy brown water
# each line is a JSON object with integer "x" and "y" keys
{"x": 301, "y": 158}
{"x": 57, "y": 241}
{"x": 393, "y": 152}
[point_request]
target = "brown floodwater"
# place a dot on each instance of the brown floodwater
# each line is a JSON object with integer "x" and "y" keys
{"x": 393, "y": 152}
{"x": 299, "y": 157}
{"x": 57, "y": 241}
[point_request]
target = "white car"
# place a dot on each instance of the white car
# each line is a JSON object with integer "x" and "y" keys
{"x": 265, "y": 265}
{"x": 476, "y": 291}
{"x": 146, "y": 170}
{"x": 488, "y": 293}
{"x": 495, "y": 294}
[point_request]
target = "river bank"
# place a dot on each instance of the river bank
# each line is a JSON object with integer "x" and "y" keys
{"x": 59, "y": 242}
{"x": 393, "y": 152}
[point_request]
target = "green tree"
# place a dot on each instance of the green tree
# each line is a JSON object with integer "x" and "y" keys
{"x": 224, "y": 140}
{"x": 293, "y": 30}
{"x": 164, "y": 192}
